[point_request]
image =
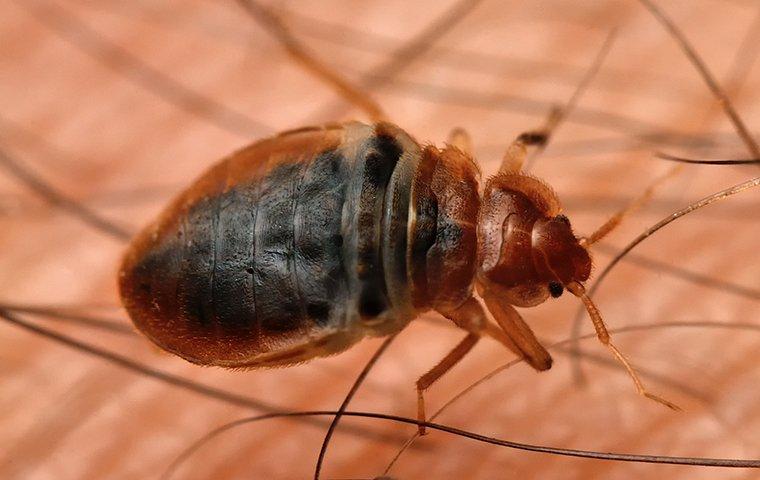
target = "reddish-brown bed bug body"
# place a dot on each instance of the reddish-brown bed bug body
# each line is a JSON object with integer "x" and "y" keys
{"x": 301, "y": 244}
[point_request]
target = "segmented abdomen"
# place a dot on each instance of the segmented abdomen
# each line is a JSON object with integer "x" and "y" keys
{"x": 292, "y": 248}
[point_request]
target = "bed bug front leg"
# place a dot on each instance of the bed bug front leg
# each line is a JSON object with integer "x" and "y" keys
{"x": 515, "y": 327}
{"x": 460, "y": 139}
{"x": 518, "y": 150}
{"x": 511, "y": 331}
{"x": 615, "y": 220}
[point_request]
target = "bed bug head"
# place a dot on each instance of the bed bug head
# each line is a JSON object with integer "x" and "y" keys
{"x": 525, "y": 245}
{"x": 527, "y": 252}
{"x": 558, "y": 253}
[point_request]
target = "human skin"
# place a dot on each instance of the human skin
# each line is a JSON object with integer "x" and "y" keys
{"x": 95, "y": 133}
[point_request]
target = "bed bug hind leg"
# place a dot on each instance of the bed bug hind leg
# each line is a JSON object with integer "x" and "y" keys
{"x": 277, "y": 28}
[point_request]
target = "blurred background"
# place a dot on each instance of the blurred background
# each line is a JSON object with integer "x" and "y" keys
{"x": 121, "y": 104}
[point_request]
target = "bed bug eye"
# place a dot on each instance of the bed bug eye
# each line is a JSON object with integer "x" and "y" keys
{"x": 556, "y": 289}
{"x": 563, "y": 218}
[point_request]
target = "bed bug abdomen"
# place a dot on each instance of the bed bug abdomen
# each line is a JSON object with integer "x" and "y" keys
{"x": 275, "y": 255}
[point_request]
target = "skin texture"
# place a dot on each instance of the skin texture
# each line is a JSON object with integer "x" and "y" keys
{"x": 100, "y": 137}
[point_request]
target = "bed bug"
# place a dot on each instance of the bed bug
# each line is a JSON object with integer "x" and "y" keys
{"x": 302, "y": 244}
{"x": 252, "y": 380}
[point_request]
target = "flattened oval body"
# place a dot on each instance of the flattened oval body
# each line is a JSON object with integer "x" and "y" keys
{"x": 292, "y": 248}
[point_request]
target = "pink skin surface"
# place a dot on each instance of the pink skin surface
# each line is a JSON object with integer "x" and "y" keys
{"x": 94, "y": 131}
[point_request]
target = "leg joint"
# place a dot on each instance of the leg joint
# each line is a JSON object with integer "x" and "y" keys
{"x": 538, "y": 138}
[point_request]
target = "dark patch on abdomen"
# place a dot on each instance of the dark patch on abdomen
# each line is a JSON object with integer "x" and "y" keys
{"x": 234, "y": 305}
{"x": 319, "y": 241}
{"x": 194, "y": 285}
{"x": 277, "y": 302}
{"x": 265, "y": 260}
{"x": 258, "y": 261}
{"x": 298, "y": 269}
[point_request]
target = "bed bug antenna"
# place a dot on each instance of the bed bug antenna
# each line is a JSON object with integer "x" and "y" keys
{"x": 604, "y": 337}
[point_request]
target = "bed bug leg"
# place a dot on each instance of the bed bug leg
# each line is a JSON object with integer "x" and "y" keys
{"x": 512, "y": 332}
{"x": 632, "y": 206}
{"x": 535, "y": 140}
{"x": 513, "y": 325}
{"x": 604, "y": 337}
{"x": 460, "y": 139}
{"x": 277, "y": 28}
{"x": 453, "y": 357}
{"x": 470, "y": 316}
{"x": 518, "y": 152}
